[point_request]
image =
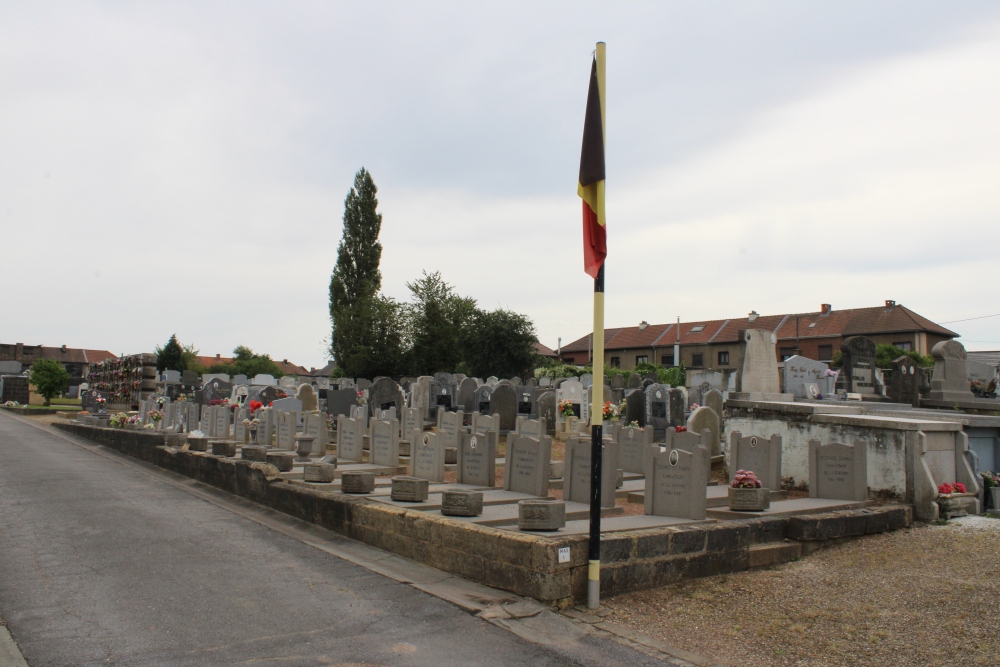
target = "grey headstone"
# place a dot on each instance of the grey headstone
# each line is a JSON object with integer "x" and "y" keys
{"x": 504, "y": 403}
{"x": 450, "y": 429}
{"x": 385, "y": 443}
{"x": 802, "y": 371}
{"x": 477, "y": 459}
{"x": 545, "y": 381}
{"x": 286, "y": 430}
{"x": 427, "y": 454}
{"x": 576, "y": 475}
{"x": 525, "y": 401}
{"x": 216, "y": 389}
{"x": 546, "y": 407}
{"x": 350, "y": 443}
{"x": 340, "y": 401}
{"x": 467, "y": 394}
{"x": 633, "y": 446}
{"x": 713, "y": 399}
{"x": 675, "y": 484}
{"x": 704, "y": 418}
{"x": 760, "y": 455}
{"x": 385, "y": 394}
{"x": 527, "y": 466}
{"x": 950, "y": 381}
{"x": 363, "y": 383}
{"x": 838, "y": 471}
{"x": 859, "y": 365}
{"x": 443, "y": 393}
{"x": 573, "y": 391}
{"x": 315, "y": 425}
{"x": 634, "y": 381}
{"x": 759, "y": 370}
{"x": 658, "y": 409}
{"x": 482, "y": 401}
{"x": 635, "y": 407}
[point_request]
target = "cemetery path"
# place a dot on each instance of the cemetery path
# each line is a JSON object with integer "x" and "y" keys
{"x": 104, "y": 560}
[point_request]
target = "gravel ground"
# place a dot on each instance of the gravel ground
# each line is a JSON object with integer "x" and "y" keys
{"x": 925, "y": 596}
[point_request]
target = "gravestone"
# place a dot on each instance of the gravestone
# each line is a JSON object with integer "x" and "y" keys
{"x": 545, "y": 381}
{"x": 307, "y": 398}
{"x": 838, "y": 471}
{"x": 713, "y": 399}
{"x": 291, "y": 405}
{"x": 634, "y": 381}
{"x": 363, "y": 384}
{"x": 265, "y": 428}
{"x": 461, "y": 502}
{"x": 950, "y": 381}
{"x": 571, "y": 390}
{"x": 635, "y": 407}
{"x": 802, "y": 371}
{"x": 420, "y": 397}
{"x": 315, "y": 426}
{"x": 704, "y": 418}
{"x": 385, "y": 443}
{"x": 904, "y": 383}
{"x": 587, "y": 380}
{"x": 486, "y": 424}
{"x": 263, "y": 379}
{"x": 757, "y": 454}
{"x": 171, "y": 377}
{"x": 658, "y": 409}
{"x": 633, "y": 446}
{"x": 216, "y": 389}
{"x": 286, "y": 430}
{"x": 678, "y": 403}
{"x": 450, "y": 429}
{"x": 384, "y": 394}
{"x": 220, "y": 422}
{"x": 531, "y": 428}
{"x": 525, "y": 401}
{"x": 444, "y": 393}
{"x": 340, "y": 401}
{"x": 545, "y": 404}
{"x": 350, "y": 439}
{"x": 482, "y": 401}
{"x": 492, "y": 381}
{"x": 467, "y": 394}
{"x": 287, "y": 382}
{"x": 237, "y": 379}
{"x": 699, "y": 443}
{"x": 576, "y": 474}
{"x": 412, "y": 421}
{"x": 527, "y": 466}
{"x": 504, "y": 403}
{"x": 193, "y": 417}
{"x": 675, "y": 484}
{"x": 859, "y": 365}
{"x": 759, "y": 371}
{"x": 427, "y": 454}
{"x": 477, "y": 460}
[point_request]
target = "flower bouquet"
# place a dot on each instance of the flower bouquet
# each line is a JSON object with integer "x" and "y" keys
{"x": 747, "y": 494}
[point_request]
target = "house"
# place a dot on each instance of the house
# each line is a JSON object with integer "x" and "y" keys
{"x": 76, "y": 361}
{"x": 714, "y": 344}
{"x": 287, "y": 368}
{"x": 544, "y": 351}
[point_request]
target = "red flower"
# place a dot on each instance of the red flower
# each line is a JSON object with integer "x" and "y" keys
{"x": 945, "y": 488}
{"x": 959, "y": 487}
{"x": 255, "y": 406}
{"x": 681, "y": 429}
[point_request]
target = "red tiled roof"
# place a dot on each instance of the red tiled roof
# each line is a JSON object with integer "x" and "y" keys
{"x": 544, "y": 351}
{"x": 850, "y": 322}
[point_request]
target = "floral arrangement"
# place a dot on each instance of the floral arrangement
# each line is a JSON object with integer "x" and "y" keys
{"x": 251, "y": 423}
{"x": 155, "y": 415}
{"x": 362, "y": 399}
{"x": 160, "y": 400}
{"x": 746, "y": 479}
{"x": 566, "y": 408}
{"x": 255, "y": 406}
{"x": 634, "y": 424}
{"x": 149, "y": 426}
{"x": 990, "y": 479}
{"x": 121, "y": 420}
{"x": 11, "y": 404}
{"x": 613, "y": 410}
{"x": 192, "y": 434}
{"x": 980, "y": 387}
{"x": 280, "y": 393}
{"x": 219, "y": 401}
{"x": 100, "y": 400}
{"x": 330, "y": 421}
{"x": 680, "y": 429}
{"x": 955, "y": 487}
{"x": 181, "y": 397}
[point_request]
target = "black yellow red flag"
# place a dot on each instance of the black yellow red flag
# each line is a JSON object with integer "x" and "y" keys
{"x": 591, "y": 186}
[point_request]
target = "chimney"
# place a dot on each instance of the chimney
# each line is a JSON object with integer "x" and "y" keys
{"x": 752, "y": 316}
{"x": 889, "y": 303}
{"x": 643, "y": 325}
{"x": 284, "y": 361}
{"x": 825, "y": 308}
{"x": 63, "y": 348}
{"x": 218, "y": 356}
{"x": 19, "y": 352}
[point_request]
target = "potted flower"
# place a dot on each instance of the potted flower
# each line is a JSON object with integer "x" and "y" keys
{"x": 746, "y": 494}
{"x": 566, "y": 409}
{"x": 991, "y": 489}
{"x": 362, "y": 398}
{"x": 953, "y": 500}
{"x": 101, "y": 401}
{"x": 984, "y": 389}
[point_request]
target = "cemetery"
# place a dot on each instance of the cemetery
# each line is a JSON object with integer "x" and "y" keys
{"x": 490, "y": 479}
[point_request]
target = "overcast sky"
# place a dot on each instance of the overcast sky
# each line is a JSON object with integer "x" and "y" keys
{"x": 181, "y": 167}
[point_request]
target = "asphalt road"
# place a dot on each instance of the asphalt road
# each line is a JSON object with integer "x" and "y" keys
{"x": 105, "y": 563}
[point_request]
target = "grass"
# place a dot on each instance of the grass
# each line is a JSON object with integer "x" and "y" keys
{"x": 65, "y": 401}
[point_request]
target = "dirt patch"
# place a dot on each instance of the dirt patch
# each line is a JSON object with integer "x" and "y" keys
{"x": 923, "y": 596}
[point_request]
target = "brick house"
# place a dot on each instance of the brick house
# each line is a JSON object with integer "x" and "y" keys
{"x": 75, "y": 360}
{"x": 713, "y": 344}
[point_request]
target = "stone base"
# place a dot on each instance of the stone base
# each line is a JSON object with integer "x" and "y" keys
{"x": 254, "y": 453}
{"x": 409, "y": 489}
{"x": 196, "y": 444}
{"x": 357, "y": 481}
{"x": 460, "y": 502}
{"x": 760, "y": 396}
{"x": 323, "y": 473}
{"x": 450, "y": 455}
{"x": 281, "y": 460}
{"x": 541, "y": 514}
{"x": 556, "y": 469}
{"x": 749, "y": 500}
{"x": 223, "y": 447}
{"x": 956, "y": 505}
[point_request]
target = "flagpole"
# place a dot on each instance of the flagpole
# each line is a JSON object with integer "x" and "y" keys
{"x": 597, "y": 391}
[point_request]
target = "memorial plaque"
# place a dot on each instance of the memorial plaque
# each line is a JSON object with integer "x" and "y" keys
{"x": 477, "y": 459}
{"x": 428, "y": 458}
{"x": 675, "y": 484}
{"x": 385, "y": 443}
{"x": 527, "y": 466}
{"x": 760, "y": 455}
{"x": 838, "y": 471}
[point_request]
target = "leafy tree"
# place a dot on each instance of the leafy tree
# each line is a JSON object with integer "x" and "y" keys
{"x": 499, "y": 342}
{"x": 885, "y": 354}
{"x": 170, "y": 357}
{"x": 249, "y": 363}
{"x": 436, "y": 318}
{"x": 356, "y": 278}
{"x": 372, "y": 339}
{"x": 50, "y": 379}
{"x": 191, "y": 362}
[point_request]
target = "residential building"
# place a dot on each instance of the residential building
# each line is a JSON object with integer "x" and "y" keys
{"x": 75, "y": 360}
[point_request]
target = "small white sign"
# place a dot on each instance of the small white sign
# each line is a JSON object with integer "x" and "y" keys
{"x": 563, "y": 554}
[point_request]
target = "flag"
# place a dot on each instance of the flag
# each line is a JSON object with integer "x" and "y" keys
{"x": 591, "y": 186}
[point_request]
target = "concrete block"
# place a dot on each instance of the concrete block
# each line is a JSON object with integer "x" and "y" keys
{"x": 409, "y": 489}
{"x": 283, "y": 461}
{"x": 254, "y": 453}
{"x": 541, "y": 514}
{"x": 197, "y": 444}
{"x": 320, "y": 472}
{"x": 223, "y": 447}
{"x": 461, "y": 502}
{"x": 356, "y": 481}
{"x": 450, "y": 455}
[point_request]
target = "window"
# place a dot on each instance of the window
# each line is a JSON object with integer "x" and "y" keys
{"x": 826, "y": 352}
{"x": 906, "y": 345}
{"x": 697, "y": 329}
{"x": 697, "y": 360}
{"x": 641, "y": 359}
{"x": 787, "y": 352}
{"x": 723, "y": 358}
{"x": 668, "y": 359}
{"x": 616, "y": 362}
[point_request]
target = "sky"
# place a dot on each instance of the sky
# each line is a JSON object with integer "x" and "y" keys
{"x": 181, "y": 167}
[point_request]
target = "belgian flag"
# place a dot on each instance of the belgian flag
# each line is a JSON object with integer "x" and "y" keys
{"x": 591, "y": 186}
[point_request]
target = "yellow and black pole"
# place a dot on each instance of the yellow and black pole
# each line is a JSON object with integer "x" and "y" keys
{"x": 591, "y": 190}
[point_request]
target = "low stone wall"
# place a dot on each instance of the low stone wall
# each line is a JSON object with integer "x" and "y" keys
{"x": 522, "y": 563}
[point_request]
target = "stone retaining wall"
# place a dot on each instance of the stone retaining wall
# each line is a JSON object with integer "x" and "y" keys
{"x": 525, "y": 564}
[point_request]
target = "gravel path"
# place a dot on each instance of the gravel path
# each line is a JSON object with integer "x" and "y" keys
{"x": 925, "y": 596}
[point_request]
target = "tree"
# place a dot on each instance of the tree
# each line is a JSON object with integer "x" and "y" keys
{"x": 356, "y": 278}
{"x": 436, "y": 319}
{"x": 49, "y": 378}
{"x": 500, "y": 342}
{"x": 249, "y": 363}
{"x": 170, "y": 357}
{"x": 372, "y": 339}
{"x": 191, "y": 362}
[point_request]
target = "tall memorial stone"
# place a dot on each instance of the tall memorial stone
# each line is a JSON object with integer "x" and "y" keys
{"x": 758, "y": 374}
{"x": 576, "y": 476}
{"x": 713, "y": 399}
{"x": 698, "y": 443}
{"x": 286, "y": 430}
{"x": 950, "y": 381}
{"x": 546, "y": 406}
{"x": 340, "y": 401}
{"x": 572, "y": 391}
{"x": 315, "y": 426}
{"x": 216, "y": 389}
{"x": 677, "y": 405}
{"x": 428, "y": 457}
{"x": 760, "y": 455}
{"x": 675, "y": 484}
{"x": 384, "y": 394}
{"x": 477, "y": 460}
{"x": 525, "y": 401}
{"x": 385, "y": 443}
{"x": 527, "y": 466}
{"x": 904, "y": 382}
{"x": 307, "y": 395}
{"x": 504, "y": 403}
{"x": 634, "y": 381}
{"x": 859, "y": 365}
{"x": 450, "y": 428}
{"x": 482, "y": 401}
{"x": 838, "y": 471}
{"x": 420, "y": 397}
{"x": 467, "y": 394}
{"x": 635, "y": 406}
{"x": 658, "y": 409}
{"x": 444, "y": 392}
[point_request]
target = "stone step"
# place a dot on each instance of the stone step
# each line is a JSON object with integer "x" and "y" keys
{"x": 716, "y": 495}
{"x": 774, "y": 553}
